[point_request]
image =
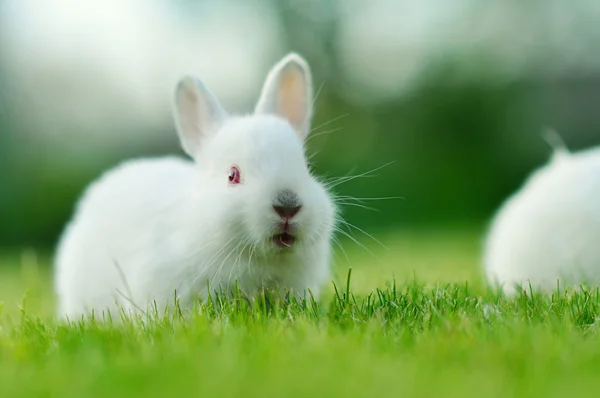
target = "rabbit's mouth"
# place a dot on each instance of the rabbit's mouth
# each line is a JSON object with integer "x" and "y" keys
{"x": 284, "y": 240}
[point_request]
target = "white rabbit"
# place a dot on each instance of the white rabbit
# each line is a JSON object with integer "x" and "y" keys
{"x": 547, "y": 235}
{"x": 246, "y": 211}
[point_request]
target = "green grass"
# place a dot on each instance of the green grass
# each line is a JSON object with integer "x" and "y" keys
{"x": 437, "y": 332}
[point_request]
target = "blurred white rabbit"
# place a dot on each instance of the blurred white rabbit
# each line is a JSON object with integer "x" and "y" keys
{"x": 547, "y": 235}
{"x": 246, "y": 210}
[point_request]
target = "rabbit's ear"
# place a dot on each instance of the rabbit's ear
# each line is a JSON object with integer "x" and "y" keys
{"x": 197, "y": 114}
{"x": 288, "y": 93}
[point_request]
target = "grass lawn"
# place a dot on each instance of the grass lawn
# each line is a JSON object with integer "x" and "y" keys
{"x": 438, "y": 333}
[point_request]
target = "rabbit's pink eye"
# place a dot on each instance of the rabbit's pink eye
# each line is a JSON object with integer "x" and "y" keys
{"x": 234, "y": 175}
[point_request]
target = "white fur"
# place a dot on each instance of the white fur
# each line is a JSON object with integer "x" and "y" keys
{"x": 548, "y": 233}
{"x": 153, "y": 227}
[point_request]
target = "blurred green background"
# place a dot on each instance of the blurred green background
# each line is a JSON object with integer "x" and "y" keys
{"x": 454, "y": 93}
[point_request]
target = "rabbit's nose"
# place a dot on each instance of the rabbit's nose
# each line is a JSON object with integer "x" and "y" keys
{"x": 286, "y": 212}
{"x": 287, "y": 204}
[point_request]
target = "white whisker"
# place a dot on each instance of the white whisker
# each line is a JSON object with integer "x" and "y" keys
{"x": 339, "y": 244}
{"x": 335, "y": 119}
{"x": 369, "y": 199}
{"x": 357, "y": 205}
{"x": 349, "y": 236}
{"x": 342, "y": 180}
{"x": 326, "y": 132}
{"x": 362, "y": 231}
